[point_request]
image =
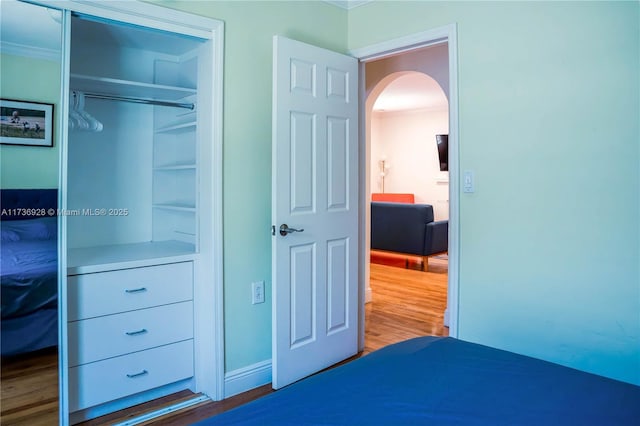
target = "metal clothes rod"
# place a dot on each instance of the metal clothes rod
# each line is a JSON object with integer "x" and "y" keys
{"x": 139, "y": 100}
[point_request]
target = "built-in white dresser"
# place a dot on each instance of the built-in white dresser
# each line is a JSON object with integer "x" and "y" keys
{"x": 129, "y": 330}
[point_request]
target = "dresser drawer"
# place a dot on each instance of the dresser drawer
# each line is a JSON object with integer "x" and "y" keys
{"x": 112, "y": 335}
{"x": 99, "y": 382}
{"x": 104, "y": 293}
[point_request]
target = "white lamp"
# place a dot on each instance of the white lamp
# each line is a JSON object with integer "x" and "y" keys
{"x": 384, "y": 168}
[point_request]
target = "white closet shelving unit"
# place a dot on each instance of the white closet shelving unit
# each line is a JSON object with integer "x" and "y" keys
{"x": 138, "y": 297}
{"x": 140, "y": 172}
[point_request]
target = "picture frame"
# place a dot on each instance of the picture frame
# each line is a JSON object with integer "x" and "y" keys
{"x": 26, "y": 123}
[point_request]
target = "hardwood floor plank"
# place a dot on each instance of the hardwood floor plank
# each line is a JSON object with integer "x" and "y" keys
{"x": 406, "y": 303}
{"x": 30, "y": 389}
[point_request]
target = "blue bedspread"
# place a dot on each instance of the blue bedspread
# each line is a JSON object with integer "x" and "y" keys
{"x": 444, "y": 381}
{"x": 28, "y": 266}
{"x": 29, "y": 284}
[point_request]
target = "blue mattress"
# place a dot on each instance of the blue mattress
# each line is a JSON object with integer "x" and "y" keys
{"x": 444, "y": 381}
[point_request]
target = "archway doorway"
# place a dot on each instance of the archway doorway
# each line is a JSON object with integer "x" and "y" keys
{"x": 405, "y": 112}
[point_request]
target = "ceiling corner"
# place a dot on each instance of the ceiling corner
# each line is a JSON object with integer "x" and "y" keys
{"x": 347, "y": 4}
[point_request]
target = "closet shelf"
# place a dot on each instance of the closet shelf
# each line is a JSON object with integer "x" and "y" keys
{"x": 181, "y": 207}
{"x": 119, "y": 256}
{"x": 176, "y": 128}
{"x": 175, "y": 167}
{"x": 118, "y": 87}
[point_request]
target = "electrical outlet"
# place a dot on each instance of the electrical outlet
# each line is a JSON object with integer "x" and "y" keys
{"x": 257, "y": 292}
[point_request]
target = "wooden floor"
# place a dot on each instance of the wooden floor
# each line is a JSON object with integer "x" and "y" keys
{"x": 30, "y": 389}
{"x": 405, "y": 303}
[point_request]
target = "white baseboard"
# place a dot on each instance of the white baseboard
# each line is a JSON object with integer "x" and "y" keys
{"x": 367, "y": 295}
{"x": 247, "y": 378}
{"x": 446, "y": 317}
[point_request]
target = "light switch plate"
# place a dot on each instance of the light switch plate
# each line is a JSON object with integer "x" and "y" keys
{"x": 257, "y": 292}
{"x": 468, "y": 182}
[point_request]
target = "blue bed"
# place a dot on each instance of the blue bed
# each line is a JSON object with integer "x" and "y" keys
{"x": 444, "y": 381}
{"x": 28, "y": 270}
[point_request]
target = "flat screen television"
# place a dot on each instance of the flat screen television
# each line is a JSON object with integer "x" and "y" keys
{"x": 443, "y": 152}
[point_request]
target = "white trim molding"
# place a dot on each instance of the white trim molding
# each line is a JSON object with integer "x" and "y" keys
{"x": 247, "y": 378}
{"x": 445, "y": 34}
{"x": 140, "y": 13}
{"x": 403, "y": 44}
{"x": 368, "y": 294}
{"x": 30, "y": 51}
{"x": 62, "y": 137}
{"x": 347, "y": 4}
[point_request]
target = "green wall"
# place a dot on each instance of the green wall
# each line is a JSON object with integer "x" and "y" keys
{"x": 249, "y": 29}
{"x": 549, "y": 122}
{"x": 28, "y": 79}
{"x": 549, "y": 113}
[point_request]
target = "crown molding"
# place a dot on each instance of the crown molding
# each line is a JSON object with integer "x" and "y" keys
{"x": 347, "y": 4}
{"x": 30, "y": 51}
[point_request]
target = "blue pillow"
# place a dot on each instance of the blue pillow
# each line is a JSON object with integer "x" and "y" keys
{"x": 45, "y": 228}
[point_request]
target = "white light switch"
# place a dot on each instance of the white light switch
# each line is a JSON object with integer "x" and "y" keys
{"x": 468, "y": 184}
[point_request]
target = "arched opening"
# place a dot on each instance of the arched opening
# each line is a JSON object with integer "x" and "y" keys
{"x": 405, "y": 111}
{"x": 406, "y": 115}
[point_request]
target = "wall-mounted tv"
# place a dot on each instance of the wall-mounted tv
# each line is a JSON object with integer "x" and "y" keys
{"x": 443, "y": 152}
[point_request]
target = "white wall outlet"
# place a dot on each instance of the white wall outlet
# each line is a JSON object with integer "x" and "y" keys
{"x": 257, "y": 292}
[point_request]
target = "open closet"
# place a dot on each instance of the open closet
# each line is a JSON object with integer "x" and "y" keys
{"x": 140, "y": 192}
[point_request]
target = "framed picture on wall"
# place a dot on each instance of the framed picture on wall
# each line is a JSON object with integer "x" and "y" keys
{"x": 26, "y": 123}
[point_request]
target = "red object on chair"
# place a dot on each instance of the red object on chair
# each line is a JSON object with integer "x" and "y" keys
{"x": 393, "y": 198}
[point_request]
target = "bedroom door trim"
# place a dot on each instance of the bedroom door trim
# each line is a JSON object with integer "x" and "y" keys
{"x": 445, "y": 34}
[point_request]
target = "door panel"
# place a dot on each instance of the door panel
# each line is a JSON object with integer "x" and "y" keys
{"x": 303, "y": 318}
{"x": 338, "y": 163}
{"x": 337, "y": 288}
{"x": 315, "y": 187}
{"x": 302, "y": 162}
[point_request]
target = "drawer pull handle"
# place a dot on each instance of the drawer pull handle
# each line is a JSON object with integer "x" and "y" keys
{"x": 136, "y": 290}
{"x": 135, "y": 333}
{"x": 142, "y": 373}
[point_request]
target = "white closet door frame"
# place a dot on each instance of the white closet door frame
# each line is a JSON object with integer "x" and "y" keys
{"x": 144, "y": 14}
{"x": 62, "y": 135}
{"x": 208, "y": 279}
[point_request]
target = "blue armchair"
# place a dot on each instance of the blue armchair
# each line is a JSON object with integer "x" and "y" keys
{"x": 409, "y": 229}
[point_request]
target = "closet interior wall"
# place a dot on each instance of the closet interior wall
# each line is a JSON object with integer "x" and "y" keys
{"x": 142, "y": 166}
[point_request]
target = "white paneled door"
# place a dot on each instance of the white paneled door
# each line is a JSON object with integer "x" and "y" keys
{"x": 315, "y": 209}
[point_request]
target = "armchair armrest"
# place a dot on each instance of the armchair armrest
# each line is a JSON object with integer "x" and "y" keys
{"x": 437, "y": 237}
